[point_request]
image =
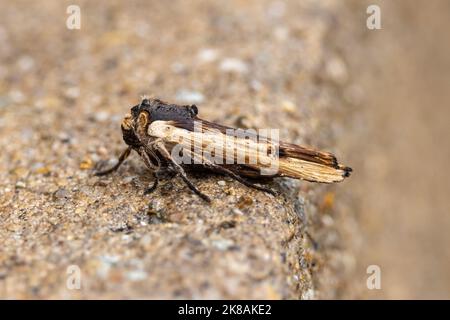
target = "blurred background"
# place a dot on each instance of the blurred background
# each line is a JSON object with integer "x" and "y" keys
{"x": 402, "y": 201}
{"x": 378, "y": 98}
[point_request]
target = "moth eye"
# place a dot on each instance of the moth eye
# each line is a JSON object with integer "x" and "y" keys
{"x": 193, "y": 109}
{"x": 143, "y": 119}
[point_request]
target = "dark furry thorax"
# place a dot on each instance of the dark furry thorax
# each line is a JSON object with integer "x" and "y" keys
{"x": 160, "y": 110}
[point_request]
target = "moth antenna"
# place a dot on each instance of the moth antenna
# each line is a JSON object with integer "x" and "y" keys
{"x": 147, "y": 97}
{"x": 143, "y": 98}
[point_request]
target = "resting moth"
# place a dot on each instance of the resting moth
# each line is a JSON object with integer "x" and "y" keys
{"x": 169, "y": 136}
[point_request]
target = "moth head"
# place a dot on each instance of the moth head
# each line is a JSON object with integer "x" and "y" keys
{"x": 128, "y": 133}
{"x": 145, "y": 104}
{"x": 193, "y": 110}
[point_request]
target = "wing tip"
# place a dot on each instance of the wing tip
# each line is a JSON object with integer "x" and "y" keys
{"x": 346, "y": 171}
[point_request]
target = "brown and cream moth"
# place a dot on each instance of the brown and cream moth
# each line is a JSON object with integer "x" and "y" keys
{"x": 169, "y": 136}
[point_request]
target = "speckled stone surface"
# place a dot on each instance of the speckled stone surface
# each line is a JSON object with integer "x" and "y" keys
{"x": 258, "y": 64}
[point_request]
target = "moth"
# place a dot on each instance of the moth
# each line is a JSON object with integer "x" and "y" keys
{"x": 173, "y": 137}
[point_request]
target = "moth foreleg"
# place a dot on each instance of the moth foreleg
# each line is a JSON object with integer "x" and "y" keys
{"x": 144, "y": 153}
{"x": 122, "y": 158}
{"x": 162, "y": 149}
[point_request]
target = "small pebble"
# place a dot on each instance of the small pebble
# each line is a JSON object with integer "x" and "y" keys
{"x": 72, "y": 92}
{"x": 281, "y": 33}
{"x": 25, "y": 63}
{"x": 327, "y": 220}
{"x": 128, "y": 179}
{"x": 64, "y": 137}
{"x": 222, "y": 244}
{"x": 189, "y": 96}
{"x": 20, "y": 185}
{"x": 245, "y": 201}
{"x": 308, "y": 294}
{"x": 256, "y": 85}
{"x": 40, "y": 168}
{"x": 20, "y": 172}
{"x": 233, "y": 65}
{"x": 337, "y": 70}
{"x": 237, "y": 211}
{"x": 288, "y": 106}
{"x": 207, "y": 55}
{"x": 136, "y": 275}
{"x": 221, "y": 183}
{"x": 177, "y": 67}
{"x": 87, "y": 163}
{"x": 102, "y": 151}
{"x": 61, "y": 193}
{"x": 43, "y": 170}
{"x": 16, "y": 96}
{"x": 328, "y": 201}
{"x": 101, "y": 116}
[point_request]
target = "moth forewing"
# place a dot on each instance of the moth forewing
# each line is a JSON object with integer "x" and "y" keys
{"x": 259, "y": 153}
{"x": 268, "y": 152}
{"x": 216, "y": 146}
{"x": 310, "y": 171}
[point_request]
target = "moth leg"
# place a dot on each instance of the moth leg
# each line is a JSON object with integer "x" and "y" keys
{"x": 145, "y": 154}
{"x": 151, "y": 166}
{"x": 235, "y": 176}
{"x": 122, "y": 158}
{"x": 240, "y": 179}
{"x": 154, "y": 185}
{"x": 181, "y": 171}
